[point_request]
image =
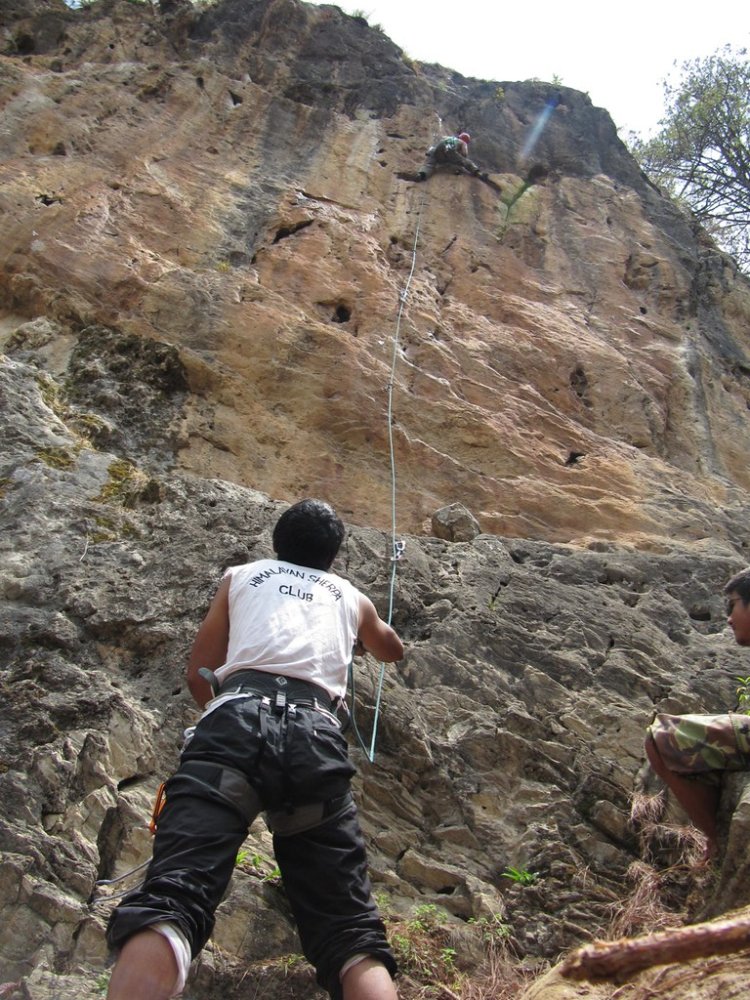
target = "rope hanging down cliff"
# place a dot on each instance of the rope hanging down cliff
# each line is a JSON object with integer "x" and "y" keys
{"x": 457, "y": 150}
{"x": 397, "y": 545}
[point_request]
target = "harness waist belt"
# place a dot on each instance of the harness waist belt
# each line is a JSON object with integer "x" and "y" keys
{"x": 297, "y": 692}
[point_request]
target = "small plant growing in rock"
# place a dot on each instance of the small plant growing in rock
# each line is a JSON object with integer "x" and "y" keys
{"x": 274, "y": 876}
{"x": 743, "y": 695}
{"x": 522, "y": 876}
{"x": 256, "y": 864}
{"x": 425, "y": 916}
{"x": 288, "y": 962}
{"x": 384, "y": 903}
{"x": 494, "y": 929}
{"x": 102, "y": 983}
{"x": 423, "y": 947}
{"x": 448, "y": 956}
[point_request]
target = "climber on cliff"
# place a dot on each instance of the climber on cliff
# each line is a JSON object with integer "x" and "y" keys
{"x": 450, "y": 151}
{"x": 267, "y": 667}
{"x": 690, "y": 752}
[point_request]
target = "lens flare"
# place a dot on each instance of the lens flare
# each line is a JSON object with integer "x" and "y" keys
{"x": 538, "y": 127}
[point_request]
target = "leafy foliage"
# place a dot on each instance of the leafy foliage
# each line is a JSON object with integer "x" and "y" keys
{"x": 701, "y": 156}
{"x": 494, "y": 929}
{"x": 423, "y": 949}
{"x": 440, "y": 962}
{"x": 522, "y": 876}
{"x": 743, "y": 695}
{"x": 258, "y": 866}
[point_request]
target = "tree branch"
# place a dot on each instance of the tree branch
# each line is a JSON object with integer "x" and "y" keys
{"x": 621, "y": 959}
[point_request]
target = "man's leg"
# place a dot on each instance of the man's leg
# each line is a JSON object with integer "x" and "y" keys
{"x": 204, "y": 822}
{"x": 699, "y": 800}
{"x": 368, "y": 980}
{"x": 463, "y": 163}
{"x": 146, "y": 969}
{"x": 324, "y": 872}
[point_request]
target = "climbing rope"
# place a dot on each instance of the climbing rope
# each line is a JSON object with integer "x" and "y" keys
{"x": 109, "y": 897}
{"x": 161, "y": 798}
{"x": 397, "y": 546}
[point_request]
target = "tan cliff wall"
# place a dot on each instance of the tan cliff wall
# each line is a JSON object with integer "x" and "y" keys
{"x": 205, "y": 245}
{"x": 164, "y": 184}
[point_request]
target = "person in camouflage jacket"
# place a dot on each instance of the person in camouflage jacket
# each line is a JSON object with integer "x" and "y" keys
{"x": 690, "y": 752}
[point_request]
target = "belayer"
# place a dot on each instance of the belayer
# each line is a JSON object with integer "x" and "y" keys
{"x": 278, "y": 638}
{"x": 691, "y": 753}
{"x": 450, "y": 151}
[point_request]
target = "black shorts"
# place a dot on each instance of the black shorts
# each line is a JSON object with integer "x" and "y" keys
{"x": 289, "y": 763}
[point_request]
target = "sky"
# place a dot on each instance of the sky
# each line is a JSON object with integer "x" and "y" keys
{"x": 618, "y": 54}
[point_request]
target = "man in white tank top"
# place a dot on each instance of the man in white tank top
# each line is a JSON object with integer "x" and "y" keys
{"x": 278, "y": 638}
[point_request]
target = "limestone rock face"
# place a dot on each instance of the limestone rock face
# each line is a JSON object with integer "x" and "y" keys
{"x": 571, "y": 358}
{"x": 218, "y": 295}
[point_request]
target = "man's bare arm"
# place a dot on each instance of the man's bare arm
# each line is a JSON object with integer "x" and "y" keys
{"x": 210, "y": 645}
{"x": 375, "y": 635}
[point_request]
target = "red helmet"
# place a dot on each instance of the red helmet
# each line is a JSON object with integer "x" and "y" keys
{"x": 465, "y": 137}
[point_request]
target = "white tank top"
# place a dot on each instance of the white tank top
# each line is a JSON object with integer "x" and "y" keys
{"x": 291, "y": 620}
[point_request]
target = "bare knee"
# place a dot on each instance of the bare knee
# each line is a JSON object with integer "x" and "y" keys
{"x": 146, "y": 967}
{"x": 368, "y": 980}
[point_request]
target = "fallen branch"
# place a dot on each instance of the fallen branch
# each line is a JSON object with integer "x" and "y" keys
{"x": 621, "y": 959}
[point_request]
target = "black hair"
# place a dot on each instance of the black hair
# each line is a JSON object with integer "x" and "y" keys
{"x": 309, "y": 533}
{"x": 740, "y": 584}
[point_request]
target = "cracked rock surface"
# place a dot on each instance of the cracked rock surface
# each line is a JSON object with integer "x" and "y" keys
{"x": 206, "y": 245}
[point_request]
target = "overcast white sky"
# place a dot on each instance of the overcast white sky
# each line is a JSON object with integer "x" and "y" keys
{"x": 617, "y": 53}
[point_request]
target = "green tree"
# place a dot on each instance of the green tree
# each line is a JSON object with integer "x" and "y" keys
{"x": 701, "y": 156}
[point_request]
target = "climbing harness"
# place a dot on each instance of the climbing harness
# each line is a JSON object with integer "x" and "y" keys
{"x": 398, "y": 546}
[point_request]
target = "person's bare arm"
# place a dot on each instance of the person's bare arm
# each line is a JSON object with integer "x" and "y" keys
{"x": 210, "y": 645}
{"x": 375, "y": 636}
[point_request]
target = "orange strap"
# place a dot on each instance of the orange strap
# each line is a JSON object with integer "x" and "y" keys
{"x": 161, "y": 799}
